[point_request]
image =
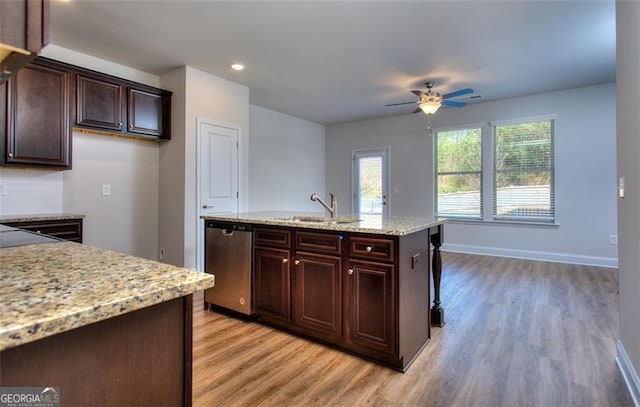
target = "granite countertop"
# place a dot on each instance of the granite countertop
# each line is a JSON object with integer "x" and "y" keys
{"x": 39, "y": 217}
{"x": 50, "y": 288}
{"x": 392, "y": 225}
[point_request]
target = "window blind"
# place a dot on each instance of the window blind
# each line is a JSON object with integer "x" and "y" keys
{"x": 458, "y": 183}
{"x": 370, "y": 170}
{"x": 524, "y": 171}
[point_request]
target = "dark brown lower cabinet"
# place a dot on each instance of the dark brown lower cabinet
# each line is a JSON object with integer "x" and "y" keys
{"x": 66, "y": 229}
{"x": 317, "y": 295}
{"x": 271, "y": 278}
{"x": 370, "y": 307}
{"x": 364, "y": 293}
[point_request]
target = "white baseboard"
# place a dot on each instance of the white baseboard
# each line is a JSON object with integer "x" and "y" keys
{"x": 628, "y": 373}
{"x": 611, "y": 262}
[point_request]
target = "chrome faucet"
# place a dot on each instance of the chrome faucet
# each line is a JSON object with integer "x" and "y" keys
{"x": 334, "y": 206}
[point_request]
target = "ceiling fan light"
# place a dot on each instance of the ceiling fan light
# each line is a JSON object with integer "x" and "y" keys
{"x": 430, "y": 107}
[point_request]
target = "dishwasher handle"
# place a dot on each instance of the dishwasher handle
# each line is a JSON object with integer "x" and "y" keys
{"x": 227, "y": 232}
{"x": 229, "y": 226}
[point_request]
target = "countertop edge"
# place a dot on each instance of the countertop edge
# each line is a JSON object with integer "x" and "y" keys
{"x": 24, "y": 334}
{"x": 37, "y": 217}
{"x": 349, "y": 227}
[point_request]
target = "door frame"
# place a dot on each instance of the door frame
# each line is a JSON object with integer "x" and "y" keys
{"x": 386, "y": 153}
{"x": 199, "y": 222}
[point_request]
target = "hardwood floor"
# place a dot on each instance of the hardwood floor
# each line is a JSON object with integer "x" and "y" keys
{"x": 518, "y": 333}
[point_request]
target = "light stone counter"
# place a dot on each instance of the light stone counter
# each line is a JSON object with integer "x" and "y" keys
{"x": 50, "y": 288}
{"x": 39, "y": 217}
{"x": 393, "y": 225}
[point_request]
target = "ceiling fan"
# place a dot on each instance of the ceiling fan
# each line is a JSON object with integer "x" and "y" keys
{"x": 429, "y": 102}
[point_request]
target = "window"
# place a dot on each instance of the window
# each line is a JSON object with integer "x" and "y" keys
{"x": 513, "y": 159}
{"x": 458, "y": 181}
{"x": 523, "y": 171}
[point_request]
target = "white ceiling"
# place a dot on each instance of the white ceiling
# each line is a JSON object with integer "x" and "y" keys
{"x": 337, "y": 61}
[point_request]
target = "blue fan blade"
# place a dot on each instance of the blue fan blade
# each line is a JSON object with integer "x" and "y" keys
{"x": 457, "y": 93}
{"x": 417, "y": 110}
{"x": 452, "y": 103}
{"x": 418, "y": 93}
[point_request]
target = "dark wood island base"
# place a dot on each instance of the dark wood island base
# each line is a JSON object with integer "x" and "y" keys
{"x": 142, "y": 358}
{"x": 360, "y": 286}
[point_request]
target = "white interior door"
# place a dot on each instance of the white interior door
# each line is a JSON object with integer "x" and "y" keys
{"x": 370, "y": 182}
{"x": 217, "y": 175}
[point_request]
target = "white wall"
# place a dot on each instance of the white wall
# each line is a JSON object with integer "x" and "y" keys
{"x": 585, "y": 173}
{"x": 126, "y": 220}
{"x": 29, "y": 191}
{"x": 206, "y": 97}
{"x": 628, "y": 92}
{"x": 286, "y": 161}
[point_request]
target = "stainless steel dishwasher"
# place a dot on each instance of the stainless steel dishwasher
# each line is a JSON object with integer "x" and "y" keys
{"x": 228, "y": 258}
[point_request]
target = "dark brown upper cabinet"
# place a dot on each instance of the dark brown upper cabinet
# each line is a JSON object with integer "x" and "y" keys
{"x": 35, "y": 106}
{"x": 103, "y": 106}
{"x": 24, "y": 31}
{"x": 99, "y": 103}
{"x": 148, "y": 113}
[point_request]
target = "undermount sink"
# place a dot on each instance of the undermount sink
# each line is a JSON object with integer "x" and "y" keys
{"x": 319, "y": 219}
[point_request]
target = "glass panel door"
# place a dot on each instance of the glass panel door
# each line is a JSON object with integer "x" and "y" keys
{"x": 370, "y": 182}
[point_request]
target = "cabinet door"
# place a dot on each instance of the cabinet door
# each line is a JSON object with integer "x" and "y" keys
{"x": 99, "y": 103}
{"x": 24, "y": 31}
{"x": 317, "y": 287}
{"x": 148, "y": 113}
{"x": 272, "y": 290}
{"x": 38, "y": 131}
{"x": 370, "y": 306}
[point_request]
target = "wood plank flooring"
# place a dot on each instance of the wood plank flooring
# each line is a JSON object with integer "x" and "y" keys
{"x": 518, "y": 333}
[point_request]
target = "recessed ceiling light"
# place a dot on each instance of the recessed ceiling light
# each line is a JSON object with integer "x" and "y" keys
{"x": 237, "y": 67}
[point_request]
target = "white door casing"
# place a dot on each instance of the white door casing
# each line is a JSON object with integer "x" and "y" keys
{"x": 218, "y": 188}
{"x": 363, "y": 162}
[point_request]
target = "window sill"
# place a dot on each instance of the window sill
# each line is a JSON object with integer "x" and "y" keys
{"x": 509, "y": 223}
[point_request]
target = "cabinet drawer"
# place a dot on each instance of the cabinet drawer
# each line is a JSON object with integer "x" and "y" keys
{"x": 68, "y": 229}
{"x": 319, "y": 242}
{"x": 271, "y": 237}
{"x": 371, "y": 248}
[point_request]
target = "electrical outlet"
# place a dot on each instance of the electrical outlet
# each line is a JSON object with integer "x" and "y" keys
{"x": 415, "y": 260}
{"x": 613, "y": 239}
{"x": 106, "y": 189}
{"x": 161, "y": 253}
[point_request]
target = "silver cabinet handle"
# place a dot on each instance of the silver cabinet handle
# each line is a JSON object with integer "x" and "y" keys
{"x": 296, "y": 262}
{"x": 368, "y": 249}
{"x": 10, "y": 155}
{"x": 284, "y": 261}
{"x": 208, "y": 206}
{"x": 350, "y": 271}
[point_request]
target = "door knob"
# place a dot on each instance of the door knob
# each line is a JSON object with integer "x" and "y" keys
{"x": 296, "y": 262}
{"x": 284, "y": 261}
{"x": 350, "y": 271}
{"x": 368, "y": 249}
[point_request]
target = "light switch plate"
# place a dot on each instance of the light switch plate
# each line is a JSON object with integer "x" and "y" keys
{"x": 106, "y": 189}
{"x": 3, "y": 189}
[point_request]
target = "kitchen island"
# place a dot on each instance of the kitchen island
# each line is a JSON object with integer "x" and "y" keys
{"x": 361, "y": 284}
{"x": 106, "y": 328}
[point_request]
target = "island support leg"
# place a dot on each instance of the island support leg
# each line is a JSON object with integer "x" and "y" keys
{"x": 437, "y": 312}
